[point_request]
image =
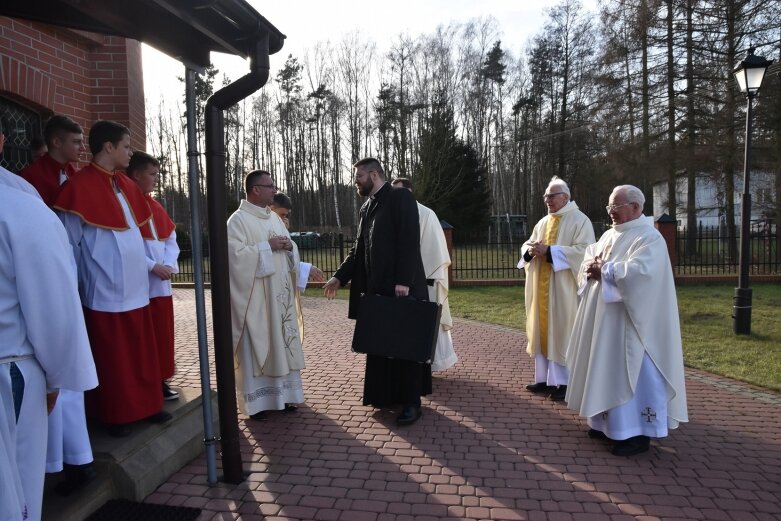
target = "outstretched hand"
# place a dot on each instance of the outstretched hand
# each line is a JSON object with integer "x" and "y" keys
{"x": 330, "y": 288}
{"x": 316, "y": 274}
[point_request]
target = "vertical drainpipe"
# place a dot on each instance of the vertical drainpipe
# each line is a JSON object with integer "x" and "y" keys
{"x": 197, "y": 253}
{"x": 218, "y": 246}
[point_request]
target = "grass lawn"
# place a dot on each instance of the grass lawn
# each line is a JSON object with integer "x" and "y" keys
{"x": 706, "y": 327}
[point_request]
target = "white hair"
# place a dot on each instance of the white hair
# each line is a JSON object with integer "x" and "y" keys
{"x": 560, "y": 183}
{"x": 632, "y": 193}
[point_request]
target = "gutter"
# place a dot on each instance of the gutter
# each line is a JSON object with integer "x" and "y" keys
{"x": 218, "y": 246}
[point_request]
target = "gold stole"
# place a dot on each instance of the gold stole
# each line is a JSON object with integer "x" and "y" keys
{"x": 543, "y": 282}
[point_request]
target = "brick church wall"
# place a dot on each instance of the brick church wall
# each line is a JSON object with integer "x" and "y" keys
{"x": 85, "y": 76}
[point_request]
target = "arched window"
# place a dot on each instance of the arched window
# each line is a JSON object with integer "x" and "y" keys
{"x": 19, "y": 125}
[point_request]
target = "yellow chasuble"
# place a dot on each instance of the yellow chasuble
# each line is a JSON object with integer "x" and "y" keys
{"x": 543, "y": 283}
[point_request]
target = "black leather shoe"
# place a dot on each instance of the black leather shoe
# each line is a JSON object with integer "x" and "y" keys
{"x": 559, "y": 393}
{"x": 168, "y": 393}
{"x": 409, "y": 415}
{"x": 290, "y": 407}
{"x": 75, "y": 478}
{"x": 259, "y": 416}
{"x": 597, "y": 435}
{"x": 539, "y": 387}
{"x": 631, "y": 446}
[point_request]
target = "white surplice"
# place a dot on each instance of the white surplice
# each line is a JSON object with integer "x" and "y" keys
{"x": 436, "y": 260}
{"x": 625, "y": 355}
{"x": 41, "y": 330}
{"x": 161, "y": 251}
{"x": 112, "y": 264}
{"x": 267, "y": 345}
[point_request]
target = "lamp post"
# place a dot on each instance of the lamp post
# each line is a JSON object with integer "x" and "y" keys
{"x": 749, "y": 74}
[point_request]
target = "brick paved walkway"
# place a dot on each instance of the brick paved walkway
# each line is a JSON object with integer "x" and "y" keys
{"x": 484, "y": 449}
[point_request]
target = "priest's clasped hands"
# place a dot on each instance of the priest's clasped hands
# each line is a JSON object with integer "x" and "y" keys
{"x": 538, "y": 249}
{"x": 280, "y": 242}
{"x": 594, "y": 268}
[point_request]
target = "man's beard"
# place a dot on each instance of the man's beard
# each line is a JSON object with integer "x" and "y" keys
{"x": 366, "y": 188}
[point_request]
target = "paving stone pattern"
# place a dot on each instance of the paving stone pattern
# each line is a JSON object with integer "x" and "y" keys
{"x": 485, "y": 448}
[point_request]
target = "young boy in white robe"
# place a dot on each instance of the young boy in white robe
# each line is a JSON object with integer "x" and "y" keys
{"x": 162, "y": 254}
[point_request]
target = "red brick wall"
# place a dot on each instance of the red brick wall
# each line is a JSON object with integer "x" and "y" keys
{"x": 81, "y": 75}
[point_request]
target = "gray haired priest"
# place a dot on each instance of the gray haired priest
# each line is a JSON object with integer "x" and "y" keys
{"x": 552, "y": 258}
{"x": 625, "y": 356}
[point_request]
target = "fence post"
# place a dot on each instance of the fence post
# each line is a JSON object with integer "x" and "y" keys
{"x": 341, "y": 246}
{"x": 668, "y": 227}
{"x": 448, "y": 229}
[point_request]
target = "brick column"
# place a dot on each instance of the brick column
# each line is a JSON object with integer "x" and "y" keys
{"x": 448, "y": 229}
{"x": 668, "y": 226}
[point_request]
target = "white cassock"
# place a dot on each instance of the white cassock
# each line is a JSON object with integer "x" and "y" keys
{"x": 575, "y": 232}
{"x": 625, "y": 356}
{"x": 41, "y": 331}
{"x": 266, "y": 339}
{"x": 436, "y": 260}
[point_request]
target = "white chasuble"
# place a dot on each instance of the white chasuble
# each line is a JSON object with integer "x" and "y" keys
{"x": 638, "y": 320}
{"x": 264, "y": 316}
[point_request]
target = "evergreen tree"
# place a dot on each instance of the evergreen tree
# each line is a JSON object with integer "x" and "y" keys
{"x": 450, "y": 180}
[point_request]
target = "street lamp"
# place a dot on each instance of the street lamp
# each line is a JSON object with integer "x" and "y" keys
{"x": 749, "y": 75}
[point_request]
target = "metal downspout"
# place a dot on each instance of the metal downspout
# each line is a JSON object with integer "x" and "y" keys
{"x": 218, "y": 245}
{"x": 197, "y": 252}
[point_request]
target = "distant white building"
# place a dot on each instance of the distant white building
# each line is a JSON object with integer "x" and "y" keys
{"x": 710, "y": 199}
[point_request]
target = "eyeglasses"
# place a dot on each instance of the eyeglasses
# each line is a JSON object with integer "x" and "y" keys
{"x": 551, "y": 196}
{"x": 273, "y": 187}
{"x": 613, "y": 207}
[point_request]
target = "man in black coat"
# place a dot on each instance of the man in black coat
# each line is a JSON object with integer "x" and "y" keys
{"x": 385, "y": 260}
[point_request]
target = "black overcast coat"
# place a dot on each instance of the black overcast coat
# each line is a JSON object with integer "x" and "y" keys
{"x": 387, "y": 249}
{"x": 386, "y": 253}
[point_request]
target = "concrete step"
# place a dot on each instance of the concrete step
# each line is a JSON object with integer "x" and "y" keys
{"x": 134, "y": 466}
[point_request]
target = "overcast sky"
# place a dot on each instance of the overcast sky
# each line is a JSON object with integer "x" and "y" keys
{"x": 306, "y": 22}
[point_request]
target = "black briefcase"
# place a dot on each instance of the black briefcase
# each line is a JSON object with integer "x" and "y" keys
{"x": 397, "y": 327}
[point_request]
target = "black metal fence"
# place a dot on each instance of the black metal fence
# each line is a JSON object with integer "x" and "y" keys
{"x": 478, "y": 256}
{"x": 711, "y": 250}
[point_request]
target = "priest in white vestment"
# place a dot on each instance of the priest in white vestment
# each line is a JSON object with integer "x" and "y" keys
{"x": 436, "y": 260}
{"x": 43, "y": 343}
{"x": 552, "y": 257}
{"x": 625, "y": 356}
{"x": 262, "y": 263}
